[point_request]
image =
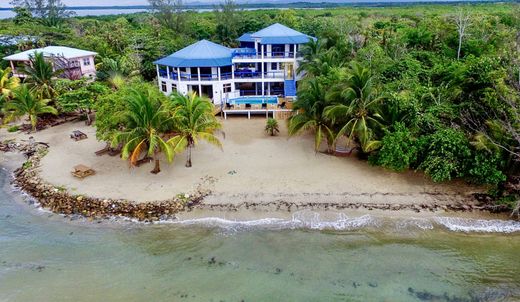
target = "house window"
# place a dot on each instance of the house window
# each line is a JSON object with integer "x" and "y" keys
{"x": 174, "y": 87}
{"x": 86, "y": 61}
{"x": 274, "y": 66}
{"x": 163, "y": 86}
{"x": 227, "y": 88}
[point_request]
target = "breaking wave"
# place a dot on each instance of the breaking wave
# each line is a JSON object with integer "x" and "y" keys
{"x": 341, "y": 221}
{"x": 478, "y": 225}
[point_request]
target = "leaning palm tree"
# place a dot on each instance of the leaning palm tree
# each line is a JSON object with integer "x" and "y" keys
{"x": 26, "y": 103}
{"x": 357, "y": 109}
{"x": 146, "y": 120}
{"x": 7, "y": 82}
{"x": 309, "y": 115}
{"x": 40, "y": 75}
{"x": 194, "y": 121}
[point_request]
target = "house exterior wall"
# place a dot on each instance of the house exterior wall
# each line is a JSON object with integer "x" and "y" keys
{"x": 87, "y": 70}
{"x": 264, "y": 74}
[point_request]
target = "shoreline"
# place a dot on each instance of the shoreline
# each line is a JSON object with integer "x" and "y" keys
{"x": 57, "y": 201}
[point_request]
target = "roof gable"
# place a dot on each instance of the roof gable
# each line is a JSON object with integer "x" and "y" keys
{"x": 67, "y": 52}
{"x": 280, "y": 34}
{"x": 203, "y": 53}
{"x": 277, "y": 30}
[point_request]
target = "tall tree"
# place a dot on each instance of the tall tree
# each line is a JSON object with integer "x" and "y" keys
{"x": 309, "y": 115}
{"x": 146, "y": 121}
{"x": 358, "y": 108}
{"x": 51, "y": 12}
{"x": 462, "y": 20}
{"x": 26, "y": 103}
{"x": 194, "y": 121}
{"x": 228, "y": 21}
{"x": 171, "y": 13}
{"x": 40, "y": 75}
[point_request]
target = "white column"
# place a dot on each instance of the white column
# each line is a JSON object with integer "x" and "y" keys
{"x": 233, "y": 71}
{"x": 198, "y": 74}
{"x": 178, "y": 74}
{"x": 200, "y": 90}
{"x": 295, "y": 50}
{"x": 262, "y": 50}
{"x": 218, "y": 72}
{"x": 157, "y": 67}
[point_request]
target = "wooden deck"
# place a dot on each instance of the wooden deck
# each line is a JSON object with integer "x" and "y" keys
{"x": 269, "y": 112}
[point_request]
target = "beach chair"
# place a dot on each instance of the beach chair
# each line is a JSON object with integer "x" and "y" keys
{"x": 78, "y": 135}
{"x": 248, "y": 106}
{"x": 264, "y": 105}
{"x": 82, "y": 171}
{"x": 281, "y": 105}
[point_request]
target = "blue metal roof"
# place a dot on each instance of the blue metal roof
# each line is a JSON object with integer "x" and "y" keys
{"x": 280, "y": 34}
{"x": 201, "y": 54}
{"x": 246, "y": 38}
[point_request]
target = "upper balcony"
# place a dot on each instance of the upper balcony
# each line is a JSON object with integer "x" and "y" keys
{"x": 240, "y": 74}
{"x": 244, "y": 54}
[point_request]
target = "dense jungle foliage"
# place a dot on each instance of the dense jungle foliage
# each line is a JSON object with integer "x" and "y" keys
{"x": 434, "y": 88}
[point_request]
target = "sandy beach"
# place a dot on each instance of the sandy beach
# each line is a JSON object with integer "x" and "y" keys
{"x": 252, "y": 168}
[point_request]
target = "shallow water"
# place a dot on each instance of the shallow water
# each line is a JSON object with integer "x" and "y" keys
{"x": 46, "y": 257}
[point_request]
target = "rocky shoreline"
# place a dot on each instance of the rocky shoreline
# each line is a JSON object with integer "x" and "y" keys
{"x": 58, "y": 200}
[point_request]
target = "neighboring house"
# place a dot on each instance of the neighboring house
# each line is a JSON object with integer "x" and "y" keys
{"x": 264, "y": 65}
{"x": 76, "y": 63}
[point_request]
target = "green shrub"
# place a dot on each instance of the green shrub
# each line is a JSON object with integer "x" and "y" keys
{"x": 398, "y": 151}
{"x": 444, "y": 155}
{"x": 13, "y": 128}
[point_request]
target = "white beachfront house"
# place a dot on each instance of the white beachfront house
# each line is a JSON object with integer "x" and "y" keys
{"x": 264, "y": 66}
{"x": 74, "y": 62}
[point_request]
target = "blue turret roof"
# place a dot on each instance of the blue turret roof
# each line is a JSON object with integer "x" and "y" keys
{"x": 280, "y": 34}
{"x": 246, "y": 38}
{"x": 201, "y": 54}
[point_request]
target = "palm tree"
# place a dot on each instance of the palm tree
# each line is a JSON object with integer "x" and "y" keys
{"x": 309, "y": 109}
{"x": 115, "y": 73}
{"x": 26, "y": 103}
{"x": 40, "y": 76}
{"x": 271, "y": 127}
{"x": 146, "y": 120}
{"x": 194, "y": 120}
{"x": 357, "y": 109}
{"x": 7, "y": 82}
{"x": 318, "y": 60}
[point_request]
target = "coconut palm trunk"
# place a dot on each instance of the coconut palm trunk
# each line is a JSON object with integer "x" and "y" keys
{"x": 157, "y": 166}
{"x": 188, "y": 160}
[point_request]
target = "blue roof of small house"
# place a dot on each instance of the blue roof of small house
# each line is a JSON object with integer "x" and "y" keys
{"x": 246, "y": 38}
{"x": 280, "y": 34}
{"x": 200, "y": 54}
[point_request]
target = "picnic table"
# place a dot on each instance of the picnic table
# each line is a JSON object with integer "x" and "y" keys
{"x": 82, "y": 171}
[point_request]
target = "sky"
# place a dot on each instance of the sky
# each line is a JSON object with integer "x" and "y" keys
{"x": 5, "y": 3}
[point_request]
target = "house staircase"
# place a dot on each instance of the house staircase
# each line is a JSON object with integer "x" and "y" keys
{"x": 289, "y": 88}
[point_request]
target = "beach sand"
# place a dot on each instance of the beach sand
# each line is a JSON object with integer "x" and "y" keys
{"x": 252, "y": 167}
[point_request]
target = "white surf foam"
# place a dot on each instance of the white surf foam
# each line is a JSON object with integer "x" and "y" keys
{"x": 340, "y": 221}
{"x": 478, "y": 225}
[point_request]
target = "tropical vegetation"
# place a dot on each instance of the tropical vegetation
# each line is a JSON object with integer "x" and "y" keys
{"x": 432, "y": 88}
{"x": 25, "y": 103}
